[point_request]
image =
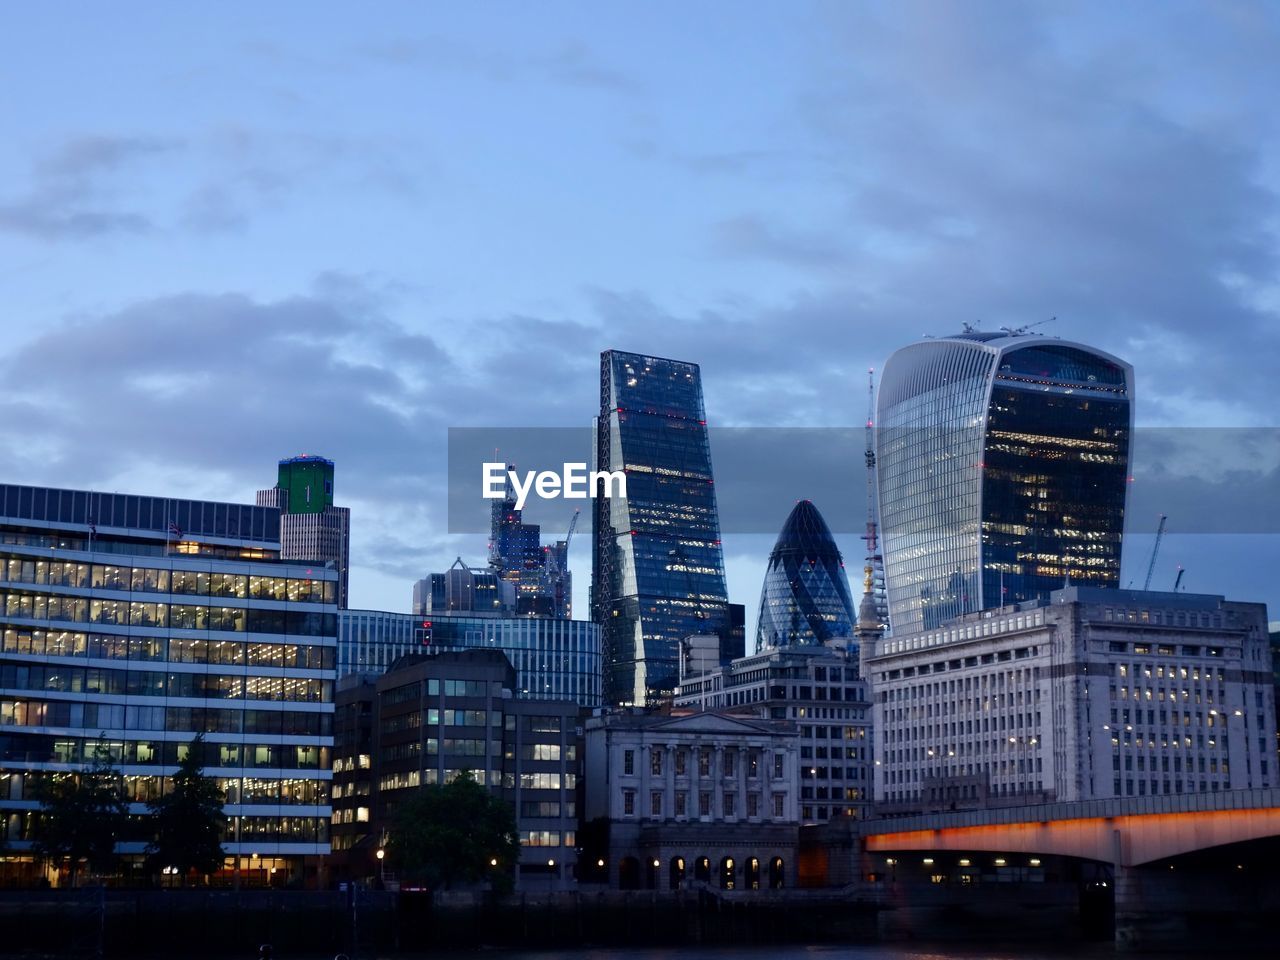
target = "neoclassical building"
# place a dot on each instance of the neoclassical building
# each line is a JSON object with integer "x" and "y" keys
{"x": 705, "y": 799}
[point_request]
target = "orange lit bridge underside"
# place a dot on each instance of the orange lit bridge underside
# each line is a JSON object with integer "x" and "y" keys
{"x": 1125, "y": 832}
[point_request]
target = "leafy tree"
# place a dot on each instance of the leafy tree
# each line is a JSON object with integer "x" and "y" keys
{"x": 187, "y": 821}
{"x": 83, "y": 815}
{"x": 453, "y": 833}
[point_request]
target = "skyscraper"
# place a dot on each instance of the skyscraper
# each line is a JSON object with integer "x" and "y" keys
{"x": 1003, "y": 463}
{"x": 658, "y": 568}
{"x": 311, "y": 527}
{"x": 805, "y": 599}
{"x": 539, "y": 575}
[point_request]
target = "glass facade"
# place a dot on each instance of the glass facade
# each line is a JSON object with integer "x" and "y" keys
{"x": 658, "y": 571}
{"x": 554, "y": 659}
{"x": 1002, "y": 466}
{"x": 120, "y": 637}
{"x": 806, "y": 597}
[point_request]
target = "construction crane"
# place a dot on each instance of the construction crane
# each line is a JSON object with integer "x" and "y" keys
{"x": 1020, "y": 331}
{"x": 1155, "y": 549}
{"x": 568, "y": 537}
{"x": 1178, "y": 582}
{"x": 874, "y": 569}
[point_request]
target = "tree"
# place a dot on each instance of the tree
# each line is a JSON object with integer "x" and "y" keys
{"x": 187, "y": 821}
{"x": 454, "y": 833}
{"x": 83, "y": 815}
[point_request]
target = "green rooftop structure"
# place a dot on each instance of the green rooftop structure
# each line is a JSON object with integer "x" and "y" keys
{"x": 307, "y": 482}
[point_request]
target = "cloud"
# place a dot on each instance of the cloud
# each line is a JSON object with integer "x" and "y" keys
{"x": 68, "y": 196}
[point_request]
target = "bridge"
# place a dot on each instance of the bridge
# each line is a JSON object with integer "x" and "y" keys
{"x": 1170, "y": 867}
{"x": 1126, "y": 832}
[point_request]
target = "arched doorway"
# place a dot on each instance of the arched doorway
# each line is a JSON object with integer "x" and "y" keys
{"x": 629, "y": 874}
{"x": 702, "y": 870}
{"x": 753, "y": 873}
{"x": 676, "y": 878}
{"x": 776, "y": 874}
{"x": 726, "y": 873}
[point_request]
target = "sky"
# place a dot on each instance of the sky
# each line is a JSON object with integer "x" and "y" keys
{"x": 235, "y": 232}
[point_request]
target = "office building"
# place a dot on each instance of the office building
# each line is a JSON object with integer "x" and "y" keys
{"x": 472, "y": 591}
{"x": 554, "y": 659}
{"x": 538, "y": 576}
{"x": 431, "y": 717}
{"x": 687, "y": 801}
{"x": 816, "y": 687}
{"x": 805, "y": 598}
{"x": 311, "y": 528}
{"x": 138, "y": 623}
{"x": 658, "y": 568}
{"x": 1093, "y": 694}
{"x": 1003, "y": 464}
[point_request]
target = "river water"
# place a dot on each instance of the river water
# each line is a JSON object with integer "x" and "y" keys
{"x": 877, "y": 951}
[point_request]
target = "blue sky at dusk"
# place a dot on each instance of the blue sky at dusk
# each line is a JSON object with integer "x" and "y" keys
{"x": 231, "y": 233}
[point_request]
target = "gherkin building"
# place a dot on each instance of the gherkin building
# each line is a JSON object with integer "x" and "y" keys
{"x": 806, "y": 598}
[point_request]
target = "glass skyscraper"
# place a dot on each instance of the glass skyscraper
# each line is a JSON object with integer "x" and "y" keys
{"x": 806, "y": 597}
{"x": 1003, "y": 462}
{"x": 658, "y": 568}
{"x": 554, "y": 658}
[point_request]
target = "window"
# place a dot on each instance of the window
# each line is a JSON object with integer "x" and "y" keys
{"x": 777, "y": 766}
{"x": 655, "y": 804}
{"x": 730, "y": 763}
{"x": 704, "y": 804}
{"x": 681, "y": 763}
{"x": 730, "y": 805}
{"x": 682, "y": 804}
{"x": 704, "y": 762}
{"x": 629, "y": 762}
{"x": 655, "y": 762}
{"x": 628, "y": 803}
{"x": 778, "y": 799}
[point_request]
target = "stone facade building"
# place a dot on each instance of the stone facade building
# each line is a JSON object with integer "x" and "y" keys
{"x": 1096, "y": 694}
{"x": 706, "y": 799}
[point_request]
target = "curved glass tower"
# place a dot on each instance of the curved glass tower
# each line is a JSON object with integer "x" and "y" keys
{"x": 806, "y": 597}
{"x": 1003, "y": 463}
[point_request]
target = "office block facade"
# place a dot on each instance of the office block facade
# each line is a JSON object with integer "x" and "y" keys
{"x": 118, "y": 632}
{"x": 1094, "y": 694}
{"x": 554, "y": 659}
{"x": 432, "y": 717}
{"x": 1003, "y": 465}
{"x": 818, "y": 689}
{"x": 658, "y": 567}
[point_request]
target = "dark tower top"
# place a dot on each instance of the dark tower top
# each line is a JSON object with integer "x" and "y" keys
{"x": 806, "y": 593}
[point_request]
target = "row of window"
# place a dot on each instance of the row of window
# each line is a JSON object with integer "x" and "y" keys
{"x": 154, "y": 683}
{"x": 275, "y": 756}
{"x": 680, "y": 804}
{"x": 177, "y": 616}
{"x": 704, "y": 756}
{"x": 136, "y": 718}
{"x": 98, "y": 576}
{"x": 102, "y": 646}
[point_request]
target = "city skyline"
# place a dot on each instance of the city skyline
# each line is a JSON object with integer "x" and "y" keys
{"x": 332, "y": 218}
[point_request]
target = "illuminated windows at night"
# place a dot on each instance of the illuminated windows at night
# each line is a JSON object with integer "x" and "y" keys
{"x": 1002, "y": 466}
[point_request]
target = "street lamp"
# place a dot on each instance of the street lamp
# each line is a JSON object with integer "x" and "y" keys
{"x": 382, "y": 865}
